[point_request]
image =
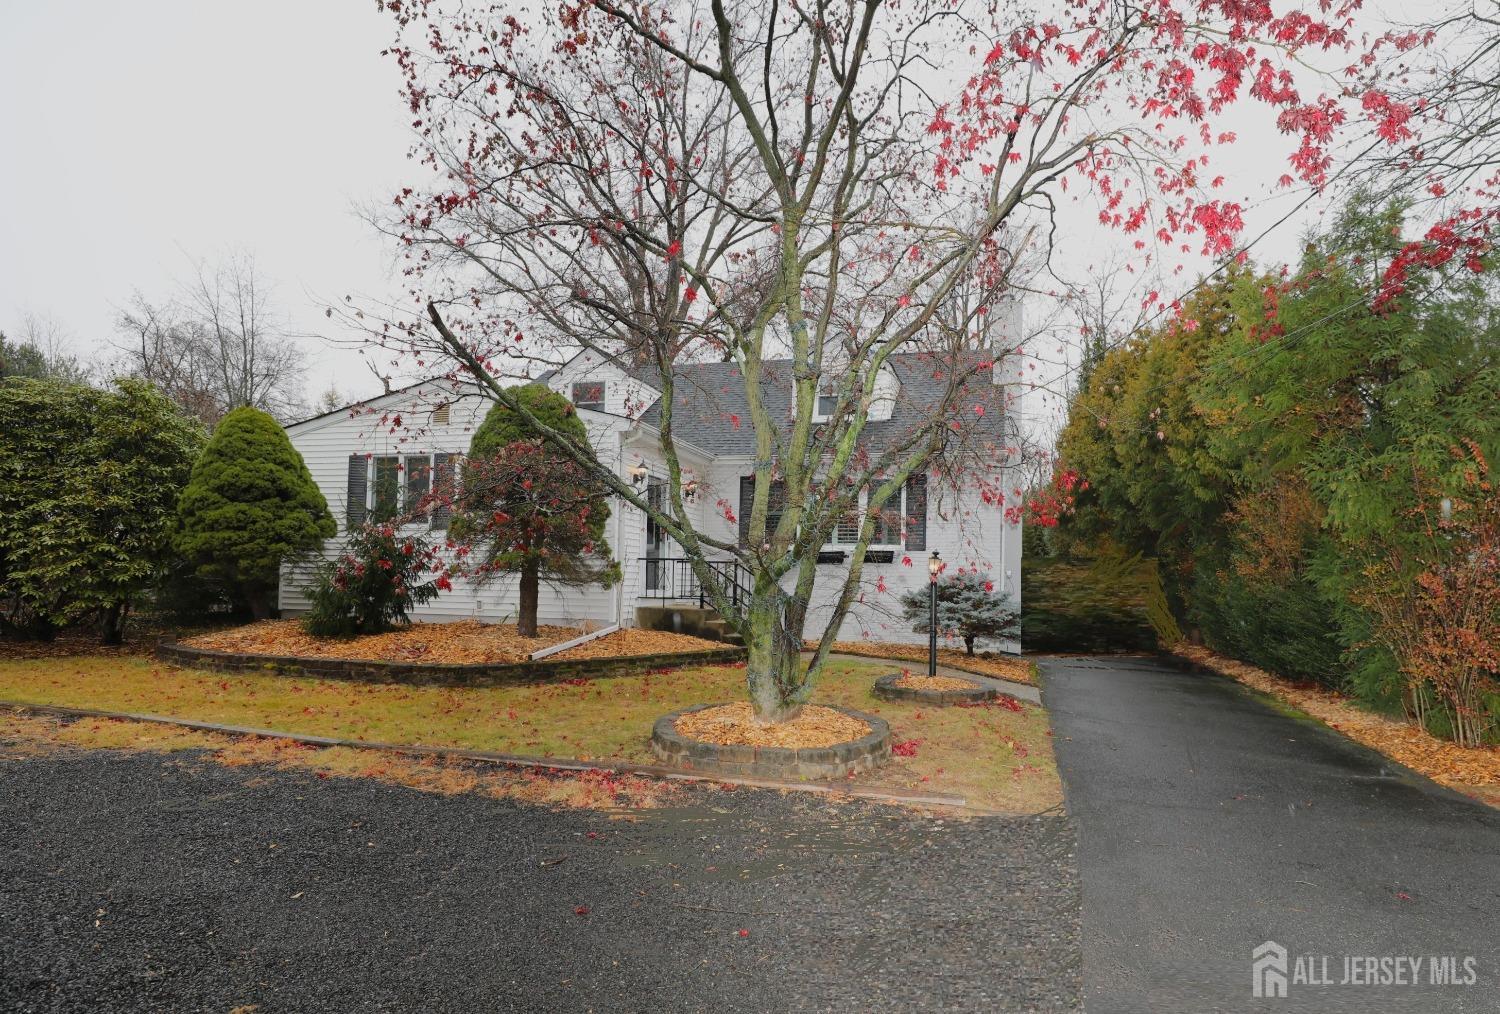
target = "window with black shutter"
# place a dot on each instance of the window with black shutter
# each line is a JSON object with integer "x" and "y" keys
{"x": 443, "y": 475}
{"x": 386, "y": 502}
{"x": 775, "y": 505}
{"x": 747, "y": 497}
{"x": 916, "y": 511}
{"x": 418, "y": 479}
{"x": 356, "y": 492}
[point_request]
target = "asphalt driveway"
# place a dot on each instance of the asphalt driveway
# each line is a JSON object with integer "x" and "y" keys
{"x": 134, "y": 882}
{"x": 1210, "y": 821}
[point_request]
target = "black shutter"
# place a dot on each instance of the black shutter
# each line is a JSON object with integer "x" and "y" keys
{"x": 355, "y": 492}
{"x": 916, "y": 511}
{"x": 747, "y": 498}
{"x": 443, "y": 487}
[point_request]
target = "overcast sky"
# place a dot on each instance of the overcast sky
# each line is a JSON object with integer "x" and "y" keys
{"x": 138, "y": 136}
{"x": 141, "y": 136}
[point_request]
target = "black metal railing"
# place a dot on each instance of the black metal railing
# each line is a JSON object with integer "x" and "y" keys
{"x": 673, "y": 579}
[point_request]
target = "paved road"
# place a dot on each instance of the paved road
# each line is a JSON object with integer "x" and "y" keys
{"x": 129, "y": 882}
{"x": 1210, "y": 821}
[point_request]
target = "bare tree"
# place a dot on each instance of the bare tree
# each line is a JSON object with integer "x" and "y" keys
{"x": 821, "y": 194}
{"x": 216, "y": 346}
{"x": 42, "y": 350}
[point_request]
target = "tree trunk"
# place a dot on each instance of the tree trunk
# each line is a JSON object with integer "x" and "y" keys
{"x": 773, "y": 669}
{"x": 112, "y": 628}
{"x": 969, "y": 645}
{"x": 259, "y": 601}
{"x": 526, "y": 612}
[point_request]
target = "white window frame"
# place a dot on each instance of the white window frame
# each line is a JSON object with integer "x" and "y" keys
{"x": 591, "y": 406}
{"x": 819, "y": 415}
{"x": 372, "y": 486}
{"x": 896, "y": 504}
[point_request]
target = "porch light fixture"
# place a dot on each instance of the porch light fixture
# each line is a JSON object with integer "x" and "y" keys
{"x": 934, "y": 566}
{"x": 638, "y": 473}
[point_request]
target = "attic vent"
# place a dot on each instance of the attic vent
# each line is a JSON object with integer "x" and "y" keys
{"x": 440, "y": 415}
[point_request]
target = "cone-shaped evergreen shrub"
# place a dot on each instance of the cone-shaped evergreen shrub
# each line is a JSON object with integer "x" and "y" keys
{"x": 250, "y": 503}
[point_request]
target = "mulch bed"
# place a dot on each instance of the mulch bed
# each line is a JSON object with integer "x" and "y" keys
{"x": 1476, "y": 772}
{"x": 458, "y": 643}
{"x": 911, "y": 681}
{"x": 1001, "y": 667}
{"x": 735, "y": 725}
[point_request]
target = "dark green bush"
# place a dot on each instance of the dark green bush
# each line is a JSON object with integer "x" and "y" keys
{"x": 1073, "y": 606}
{"x": 372, "y": 585}
{"x": 249, "y": 504}
{"x": 89, "y": 480}
{"x": 1285, "y": 627}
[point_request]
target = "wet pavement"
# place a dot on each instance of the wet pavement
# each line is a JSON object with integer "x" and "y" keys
{"x": 1211, "y": 821}
{"x": 133, "y": 881}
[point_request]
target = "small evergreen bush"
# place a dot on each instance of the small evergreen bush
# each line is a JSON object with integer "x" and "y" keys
{"x": 249, "y": 504}
{"x": 967, "y": 608}
{"x": 372, "y": 586}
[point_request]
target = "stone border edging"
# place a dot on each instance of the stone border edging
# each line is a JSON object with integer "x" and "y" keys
{"x": 869, "y": 751}
{"x": 909, "y": 662}
{"x": 451, "y": 674}
{"x": 519, "y": 760}
{"x": 886, "y": 688}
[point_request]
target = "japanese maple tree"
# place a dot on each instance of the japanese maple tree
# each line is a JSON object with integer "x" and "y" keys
{"x": 664, "y": 183}
{"x": 522, "y": 507}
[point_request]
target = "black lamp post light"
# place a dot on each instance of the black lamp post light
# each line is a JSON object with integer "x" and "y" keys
{"x": 934, "y": 567}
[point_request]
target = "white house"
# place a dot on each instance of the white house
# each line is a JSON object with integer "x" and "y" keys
{"x": 391, "y": 446}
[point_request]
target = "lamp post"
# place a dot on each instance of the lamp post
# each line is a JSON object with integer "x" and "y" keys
{"x": 934, "y": 565}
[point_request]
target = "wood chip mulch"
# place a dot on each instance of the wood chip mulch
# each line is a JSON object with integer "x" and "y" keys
{"x": 1475, "y": 771}
{"x": 1002, "y": 667}
{"x": 912, "y": 681}
{"x": 461, "y": 642}
{"x": 735, "y": 725}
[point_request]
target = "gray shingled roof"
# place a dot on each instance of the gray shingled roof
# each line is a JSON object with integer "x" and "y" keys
{"x": 711, "y": 409}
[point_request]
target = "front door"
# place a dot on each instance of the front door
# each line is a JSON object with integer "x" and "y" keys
{"x": 656, "y": 539}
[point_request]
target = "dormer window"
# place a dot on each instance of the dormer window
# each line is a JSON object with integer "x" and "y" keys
{"x": 590, "y": 395}
{"x": 826, "y": 405}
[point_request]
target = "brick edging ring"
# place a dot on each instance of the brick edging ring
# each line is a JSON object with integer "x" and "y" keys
{"x": 869, "y": 751}
{"x": 886, "y": 688}
{"x": 458, "y": 674}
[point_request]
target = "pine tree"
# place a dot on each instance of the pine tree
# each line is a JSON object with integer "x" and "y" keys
{"x": 249, "y": 504}
{"x": 967, "y": 607}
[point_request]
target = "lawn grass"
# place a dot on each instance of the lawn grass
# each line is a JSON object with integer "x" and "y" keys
{"x": 994, "y": 757}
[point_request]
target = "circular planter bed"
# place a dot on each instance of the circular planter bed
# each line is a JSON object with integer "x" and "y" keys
{"x": 938, "y": 691}
{"x": 869, "y": 747}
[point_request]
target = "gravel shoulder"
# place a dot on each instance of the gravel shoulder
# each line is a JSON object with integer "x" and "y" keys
{"x": 137, "y": 881}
